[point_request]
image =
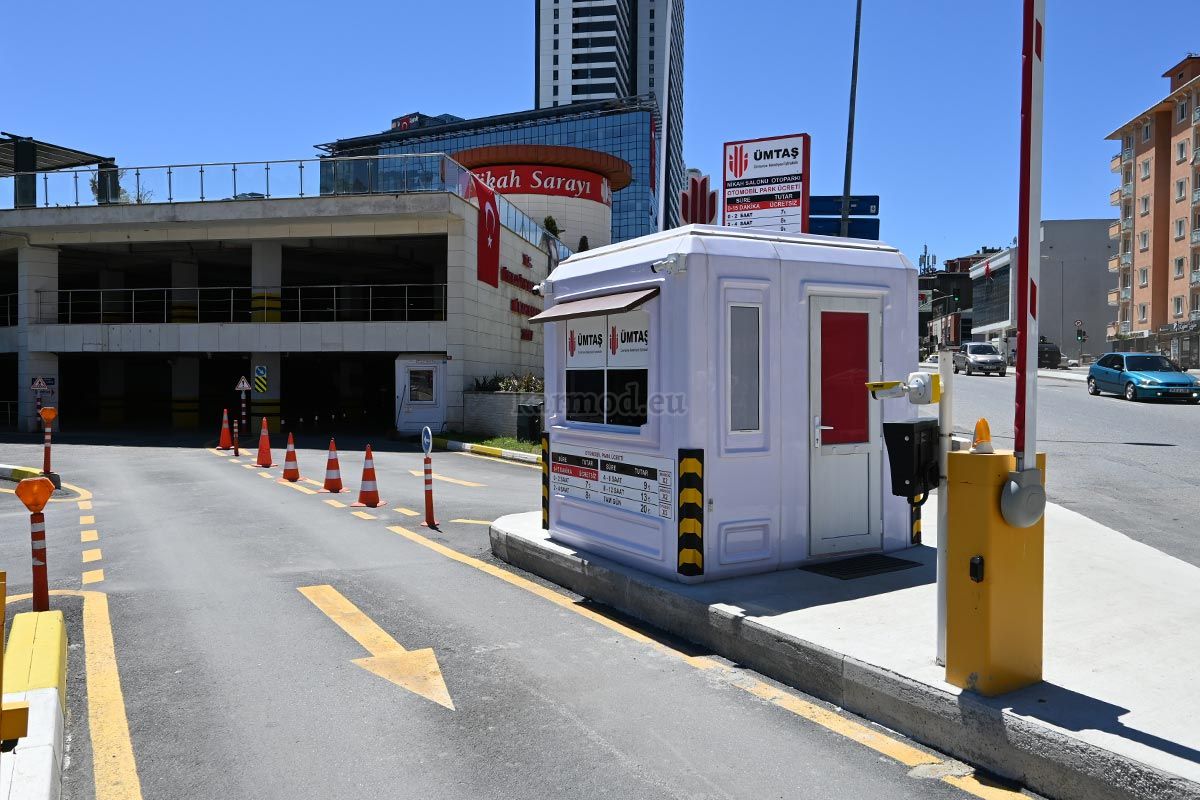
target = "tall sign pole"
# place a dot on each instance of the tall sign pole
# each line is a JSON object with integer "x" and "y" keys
{"x": 1024, "y": 500}
{"x": 845, "y": 226}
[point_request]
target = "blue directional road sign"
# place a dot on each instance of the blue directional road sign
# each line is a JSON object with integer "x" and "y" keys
{"x": 830, "y": 205}
{"x": 860, "y": 227}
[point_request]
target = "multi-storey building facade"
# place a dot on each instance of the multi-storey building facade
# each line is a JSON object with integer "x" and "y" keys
{"x": 1157, "y": 296}
{"x": 602, "y": 49}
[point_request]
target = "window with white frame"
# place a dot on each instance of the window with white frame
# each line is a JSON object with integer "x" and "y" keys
{"x": 1145, "y": 169}
{"x": 1128, "y": 140}
{"x": 1143, "y": 276}
{"x": 1179, "y": 306}
{"x": 1181, "y": 188}
{"x": 1183, "y": 110}
{"x": 744, "y": 368}
{"x": 1180, "y": 228}
{"x": 1142, "y": 312}
{"x": 1144, "y": 240}
{"x": 1146, "y": 132}
{"x": 1144, "y": 205}
{"x": 1196, "y": 302}
{"x": 1179, "y": 265}
{"x": 1181, "y": 151}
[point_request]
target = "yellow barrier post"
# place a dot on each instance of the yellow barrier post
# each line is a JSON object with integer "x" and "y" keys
{"x": 14, "y": 717}
{"x": 995, "y": 577}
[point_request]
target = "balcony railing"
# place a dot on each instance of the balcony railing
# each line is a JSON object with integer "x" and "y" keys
{"x": 267, "y": 180}
{"x": 1196, "y": 115}
{"x": 1113, "y": 263}
{"x": 1196, "y": 197}
{"x": 1196, "y": 236}
{"x": 1114, "y": 230}
{"x": 1193, "y": 316}
{"x": 396, "y": 302}
{"x": 1126, "y": 326}
{"x": 1127, "y": 190}
{"x": 1126, "y": 224}
{"x": 1196, "y": 156}
{"x": 1126, "y": 293}
{"x": 1114, "y": 197}
{"x": 1195, "y": 279}
{"x": 1126, "y": 259}
{"x": 1114, "y": 163}
{"x": 8, "y": 310}
{"x": 1112, "y": 297}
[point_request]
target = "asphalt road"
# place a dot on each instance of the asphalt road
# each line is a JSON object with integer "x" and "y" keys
{"x": 1130, "y": 466}
{"x": 236, "y": 685}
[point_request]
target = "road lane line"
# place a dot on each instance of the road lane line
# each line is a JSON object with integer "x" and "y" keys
{"x": 85, "y": 505}
{"x": 311, "y": 482}
{"x": 249, "y": 466}
{"x": 91, "y": 555}
{"x": 418, "y": 473}
{"x": 114, "y": 768}
{"x": 538, "y": 467}
{"x": 89, "y": 536}
{"x": 408, "y": 512}
{"x": 265, "y": 475}
{"x": 363, "y": 515}
{"x": 93, "y": 576}
{"x": 472, "y": 521}
{"x": 87, "y": 519}
{"x": 335, "y": 503}
{"x": 863, "y": 734}
{"x": 296, "y": 486}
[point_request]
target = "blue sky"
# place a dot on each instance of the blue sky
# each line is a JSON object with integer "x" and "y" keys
{"x": 936, "y": 135}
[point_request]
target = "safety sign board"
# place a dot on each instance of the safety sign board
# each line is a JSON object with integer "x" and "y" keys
{"x": 426, "y": 440}
{"x": 243, "y": 385}
{"x": 260, "y": 378}
{"x": 1078, "y": 323}
{"x": 632, "y": 482}
{"x": 766, "y": 183}
{"x": 39, "y": 384}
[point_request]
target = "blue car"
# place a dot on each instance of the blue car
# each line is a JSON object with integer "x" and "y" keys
{"x": 1138, "y": 376}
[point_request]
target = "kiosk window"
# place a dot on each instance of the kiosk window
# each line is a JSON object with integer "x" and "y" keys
{"x": 420, "y": 385}
{"x": 744, "y": 366}
{"x": 607, "y": 368}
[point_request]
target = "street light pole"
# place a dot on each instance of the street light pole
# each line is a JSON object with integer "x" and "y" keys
{"x": 850, "y": 124}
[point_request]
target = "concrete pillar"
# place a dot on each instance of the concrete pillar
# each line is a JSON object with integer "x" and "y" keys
{"x": 185, "y": 274}
{"x": 113, "y": 398}
{"x": 185, "y": 392}
{"x": 264, "y": 404}
{"x": 37, "y": 271}
{"x": 266, "y": 272}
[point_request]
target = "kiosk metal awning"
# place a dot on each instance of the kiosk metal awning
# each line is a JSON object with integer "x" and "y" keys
{"x": 595, "y": 306}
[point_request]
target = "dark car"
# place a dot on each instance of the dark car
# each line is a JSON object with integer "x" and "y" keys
{"x": 1138, "y": 376}
{"x": 1049, "y": 356}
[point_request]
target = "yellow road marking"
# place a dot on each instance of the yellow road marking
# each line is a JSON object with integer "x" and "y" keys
{"x": 89, "y": 536}
{"x": 249, "y": 466}
{"x": 538, "y": 467}
{"x": 216, "y": 452}
{"x": 408, "y": 512}
{"x": 296, "y": 486}
{"x": 415, "y": 670}
{"x": 335, "y": 503}
{"x": 472, "y": 521}
{"x": 311, "y": 482}
{"x": 93, "y": 576}
{"x": 438, "y": 477}
{"x": 863, "y": 734}
{"x": 81, "y": 494}
{"x": 265, "y": 475}
{"x": 87, "y": 519}
{"x": 363, "y": 515}
{"x": 114, "y": 768}
{"x": 91, "y": 555}
{"x": 85, "y": 505}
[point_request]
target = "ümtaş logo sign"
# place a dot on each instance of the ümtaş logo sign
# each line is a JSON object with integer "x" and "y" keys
{"x": 778, "y": 152}
{"x": 738, "y": 161}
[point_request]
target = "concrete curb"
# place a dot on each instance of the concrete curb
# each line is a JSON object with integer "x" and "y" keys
{"x": 482, "y": 449}
{"x": 961, "y": 726}
{"x": 18, "y": 474}
{"x": 35, "y": 671}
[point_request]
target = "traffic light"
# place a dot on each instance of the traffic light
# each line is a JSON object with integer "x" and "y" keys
{"x": 1081, "y": 335}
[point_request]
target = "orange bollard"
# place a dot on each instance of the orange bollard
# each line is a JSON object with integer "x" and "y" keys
{"x": 291, "y": 470}
{"x": 226, "y": 442}
{"x": 264, "y": 446}
{"x": 236, "y": 442}
{"x": 429, "y": 522}
{"x": 333, "y": 472}
{"x": 48, "y": 415}
{"x": 368, "y": 492}
{"x": 35, "y": 493}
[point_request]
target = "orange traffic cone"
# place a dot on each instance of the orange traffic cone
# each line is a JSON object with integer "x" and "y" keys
{"x": 368, "y": 493}
{"x": 982, "y": 442}
{"x": 333, "y": 471}
{"x": 291, "y": 470}
{"x": 226, "y": 442}
{"x": 264, "y": 446}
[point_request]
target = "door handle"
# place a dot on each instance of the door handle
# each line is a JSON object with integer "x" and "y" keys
{"x": 817, "y": 428}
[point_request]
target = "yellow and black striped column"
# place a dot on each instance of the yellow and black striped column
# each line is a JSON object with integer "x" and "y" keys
{"x": 265, "y": 307}
{"x": 545, "y": 481}
{"x": 691, "y": 512}
{"x": 914, "y": 519}
{"x": 185, "y": 412}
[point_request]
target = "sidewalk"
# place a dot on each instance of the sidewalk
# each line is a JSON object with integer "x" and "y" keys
{"x": 1116, "y": 715}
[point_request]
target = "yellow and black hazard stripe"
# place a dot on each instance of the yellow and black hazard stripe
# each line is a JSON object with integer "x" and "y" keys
{"x": 545, "y": 481}
{"x": 691, "y": 512}
{"x": 914, "y": 519}
{"x": 265, "y": 407}
{"x": 260, "y": 384}
{"x": 185, "y": 412}
{"x": 264, "y": 307}
{"x": 183, "y": 312}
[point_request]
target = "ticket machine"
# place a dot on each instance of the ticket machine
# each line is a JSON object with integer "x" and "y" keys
{"x": 706, "y": 404}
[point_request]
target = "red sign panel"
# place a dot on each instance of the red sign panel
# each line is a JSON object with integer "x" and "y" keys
{"x": 845, "y": 342}
{"x": 552, "y": 181}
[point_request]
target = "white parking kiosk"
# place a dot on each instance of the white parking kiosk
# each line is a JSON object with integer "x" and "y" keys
{"x": 705, "y": 399}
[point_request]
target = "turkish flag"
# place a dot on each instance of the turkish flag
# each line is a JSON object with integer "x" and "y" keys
{"x": 487, "y": 235}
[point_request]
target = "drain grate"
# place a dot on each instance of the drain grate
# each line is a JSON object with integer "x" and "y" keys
{"x": 861, "y": 566}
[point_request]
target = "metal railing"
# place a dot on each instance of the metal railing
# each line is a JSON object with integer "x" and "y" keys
{"x": 1127, "y": 223}
{"x": 1196, "y": 196}
{"x": 1127, "y": 154}
{"x": 8, "y": 310}
{"x": 1196, "y": 236}
{"x": 1195, "y": 279}
{"x": 1127, "y": 190}
{"x": 1126, "y": 326}
{"x": 397, "y": 302}
{"x": 1196, "y": 115}
{"x": 1126, "y": 292}
{"x": 1194, "y": 315}
{"x": 1126, "y": 259}
{"x": 266, "y": 180}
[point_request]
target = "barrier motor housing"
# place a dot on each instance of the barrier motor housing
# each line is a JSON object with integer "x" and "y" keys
{"x": 912, "y": 447}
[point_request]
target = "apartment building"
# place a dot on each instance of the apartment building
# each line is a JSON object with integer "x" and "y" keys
{"x": 1157, "y": 263}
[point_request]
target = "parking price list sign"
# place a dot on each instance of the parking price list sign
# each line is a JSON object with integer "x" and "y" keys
{"x": 766, "y": 183}
{"x": 631, "y": 482}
